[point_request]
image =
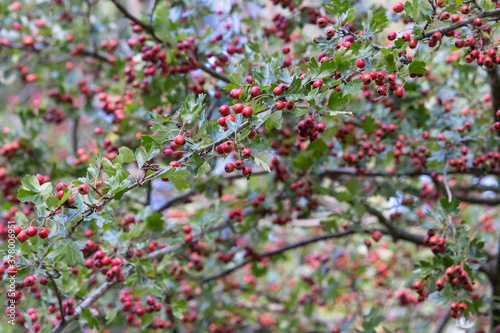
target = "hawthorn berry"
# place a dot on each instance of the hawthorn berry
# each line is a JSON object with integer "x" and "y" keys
{"x": 398, "y": 7}
{"x": 322, "y": 22}
{"x": 83, "y": 189}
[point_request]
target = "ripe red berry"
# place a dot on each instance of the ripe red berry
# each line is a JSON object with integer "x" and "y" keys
{"x": 12, "y": 270}
{"x": 188, "y": 238}
{"x": 317, "y": 84}
{"x": 279, "y": 105}
{"x": 30, "y": 281}
{"x": 289, "y": 105}
{"x": 278, "y": 90}
{"x": 22, "y": 236}
{"x": 224, "y": 110}
{"x": 361, "y": 63}
{"x": 187, "y": 229}
{"x": 247, "y": 171}
{"x": 246, "y": 153}
{"x": 229, "y": 167}
{"x": 392, "y": 36}
{"x": 398, "y": 7}
{"x": 180, "y": 140}
{"x": 400, "y": 92}
{"x": 83, "y": 189}
{"x": 239, "y": 165}
{"x": 247, "y": 112}
{"x": 238, "y": 108}
{"x": 322, "y": 22}
{"x": 31, "y": 231}
{"x": 382, "y": 90}
{"x": 174, "y": 164}
{"x": 255, "y": 91}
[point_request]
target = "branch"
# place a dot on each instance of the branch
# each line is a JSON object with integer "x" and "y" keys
{"x": 378, "y": 173}
{"x": 444, "y": 30}
{"x": 148, "y": 28}
{"x": 58, "y": 294}
{"x": 174, "y": 201}
{"x": 277, "y": 251}
{"x": 441, "y": 324}
{"x": 74, "y": 134}
{"x": 394, "y": 231}
{"x": 211, "y": 72}
{"x": 416, "y": 239}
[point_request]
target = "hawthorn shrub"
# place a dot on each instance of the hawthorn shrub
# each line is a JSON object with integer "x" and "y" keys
{"x": 250, "y": 166}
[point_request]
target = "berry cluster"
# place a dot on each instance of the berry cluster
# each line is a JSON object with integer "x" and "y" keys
{"x": 438, "y": 244}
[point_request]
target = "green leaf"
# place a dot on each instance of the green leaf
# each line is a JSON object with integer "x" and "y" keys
{"x": 369, "y": 125}
{"x": 141, "y": 157}
{"x": 337, "y": 7}
{"x": 263, "y": 164}
{"x": 236, "y": 79}
{"x": 111, "y": 315}
{"x": 191, "y": 109}
{"x": 91, "y": 321}
{"x": 178, "y": 179}
{"x": 376, "y": 22}
{"x": 179, "y": 308}
{"x": 302, "y": 161}
{"x": 21, "y": 219}
{"x": 68, "y": 252}
{"x": 417, "y": 67}
{"x": 275, "y": 120}
{"x": 125, "y": 155}
{"x": 204, "y": 168}
{"x": 155, "y": 222}
{"x": 265, "y": 75}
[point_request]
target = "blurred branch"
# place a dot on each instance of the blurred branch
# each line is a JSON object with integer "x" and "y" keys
{"x": 147, "y": 27}
{"x": 58, "y": 295}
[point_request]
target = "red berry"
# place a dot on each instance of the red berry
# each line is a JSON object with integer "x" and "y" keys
{"x": 279, "y": 105}
{"x": 322, "y": 22}
{"x": 229, "y": 167}
{"x": 316, "y": 84}
{"x": 238, "y": 108}
{"x": 398, "y": 7}
{"x": 382, "y": 90}
{"x": 187, "y": 229}
{"x": 246, "y": 153}
{"x": 278, "y": 90}
{"x": 22, "y": 236}
{"x": 392, "y": 35}
{"x": 400, "y": 92}
{"x": 224, "y": 110}
{"x": 361, "y": 63}
{"x": 247, "y": 171}
{"x": 31, "y": 231}
{"x": 255, "y": 91}
{"x": 179, "y": 140}
{"x": 247, "y": 112}
{"x": 83, "y": 189}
